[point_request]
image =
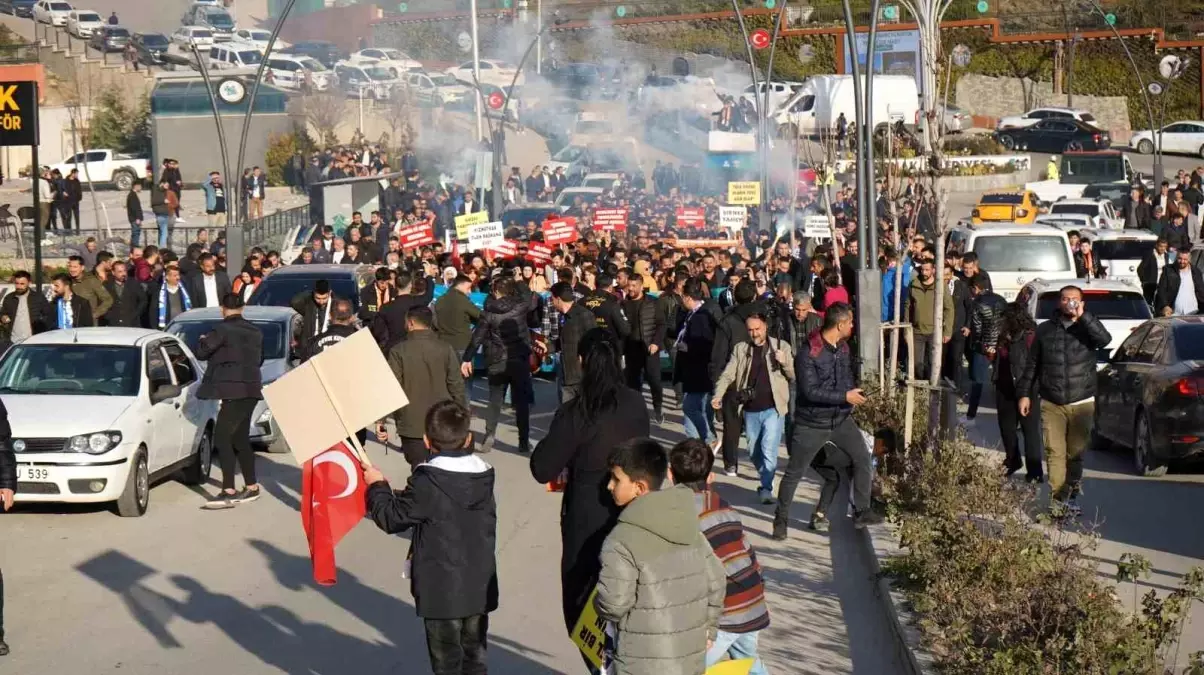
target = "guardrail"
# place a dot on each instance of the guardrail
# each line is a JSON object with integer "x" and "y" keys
{"x": 60, "y": 244}
{"x": 1021, "y": 162}
{"x": 19, "y": 53}
{"x": 269, "y": 231}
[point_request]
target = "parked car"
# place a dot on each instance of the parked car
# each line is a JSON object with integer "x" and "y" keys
{"x": 258, "y": 38}
{"x": 187, "y": 36}
{"x": 232, "y": 55}
{"x": 53, "y": 12}
{"x": 213, "y": 17}
{"x": 1046, "y": 113}
{"x": 101, "y": 414}
{"x": 109, "y": 39}
{"x": 107, "y": 166}
{"x": 779, "y": 92}
{"x": 497, "y": 73}
{"x": 289, "y": 71}
{"x": 395, "y": 61}
{"x": 1014, "y": 255}
{"x": 82, "y": 22}
{"x": 281, "y": 286}
{"x": 365, "y": 80}
{"x": 1186, "y": 138}
{"x": 279, "y": 325}
{"x": 436, "y": 89}
{"x": 1100, "y": 211}
{"x": 1119, "y": 305}
{"x": 325, "y": 53}
{"x": 1121, "y": 251}
{"x": 1078, "y": 170}
{"x": 583, "y": 81}
{"x": 1150, "y": 395}
{"x": 19, "y": 8}
{"x": 1005, "y": 206}
{"x": 150, "y": 47}
{"x": 1054, "y": 136}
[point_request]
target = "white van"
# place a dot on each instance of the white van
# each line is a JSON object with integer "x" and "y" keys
{"x": 818, "y": 102}
{"x": 230, "y": 55}
{"x": 1014, "y": 254}
{"x": 289, "y": 72}
{"x": 1121, "y": 251}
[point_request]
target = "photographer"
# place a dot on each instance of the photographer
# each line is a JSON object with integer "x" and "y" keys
{"x": 762, "y": 369}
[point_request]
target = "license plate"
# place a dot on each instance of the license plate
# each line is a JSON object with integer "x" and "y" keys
{"x": 28, "y": 473}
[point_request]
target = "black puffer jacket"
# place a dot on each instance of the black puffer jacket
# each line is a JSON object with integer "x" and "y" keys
{"x": 647, "y": 328}
{"x": 8, "y": 461}
{"x": 503, "y": 331}
{"x": 668, "y": 305}
{"x": 984, "y": 321}
{"x": 823, "y": 378}
{"x": 1063, "y": 358}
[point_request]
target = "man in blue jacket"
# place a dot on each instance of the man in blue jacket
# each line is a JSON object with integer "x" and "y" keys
{"x": 888, "y": 283}
{"x": 826, "y": 395}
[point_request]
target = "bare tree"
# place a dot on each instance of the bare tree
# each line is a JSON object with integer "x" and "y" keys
{"x": 79, "y": 101}
{"x": 323, "y": 111}
{"x": 398, "y": 114}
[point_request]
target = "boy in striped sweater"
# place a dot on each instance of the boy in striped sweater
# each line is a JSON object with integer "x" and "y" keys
{"x": 745, "y": 613}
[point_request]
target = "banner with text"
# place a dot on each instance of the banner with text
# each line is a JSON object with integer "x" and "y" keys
{"x": 559, "y": 231}
{"x": 732, "y": 217}
{"x": 539, "y": 252}
{"x": 692, "y": 216}
{"x": 610, "y": 220}
{"x": 467, "y": 220}
{"x": 485, "y": 235}
{"x": 817, "y": 227}
{"x": 745, "y": 193}
{"x": 418, "y": 234}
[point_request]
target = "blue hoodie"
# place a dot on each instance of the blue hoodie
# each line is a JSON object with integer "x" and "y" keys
{"x": 888, "y": 289}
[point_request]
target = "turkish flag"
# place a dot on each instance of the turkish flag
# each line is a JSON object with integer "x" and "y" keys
{"x": 332, "y": 504}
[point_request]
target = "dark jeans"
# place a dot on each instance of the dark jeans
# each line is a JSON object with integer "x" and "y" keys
{"x": 733, "y": 429}
{"x": 232, "y": 437}
{"x": 922, "y": 355}
{"x": 1, "y": 605}
{"x": 414, "y": 450}
{"x": 1008, "y": 413}
{"x": 951, "y": 363}
{"x": 807, "y": 443}
{"x": 457, "y": 646}
{"x": 66, "y": 210}
{"x": 980, "y": 373}
{"x": 517, "y": 376}
{"x": 834, "y": 464}
{"x": 135, "y": 234}
{"x": 643, "y": 367}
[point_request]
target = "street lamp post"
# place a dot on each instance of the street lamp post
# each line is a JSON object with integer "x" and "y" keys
{"x": 859, "y": 121}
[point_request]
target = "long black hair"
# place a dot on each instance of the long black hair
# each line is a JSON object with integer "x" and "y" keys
{"x": 601, "y": 378}
{"x": 1015, "y": 321}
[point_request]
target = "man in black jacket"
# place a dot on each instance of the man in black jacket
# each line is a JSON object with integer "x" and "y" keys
{"x": 129, "y": 298}
{"x": 233, "y": 351}
{"x": 986, "y": 317}
{"x": 133, "y": 213}
{"x": 8, "y": 488}
{"x": 730, "y": 333}
{"x": 1149, "y": 270}
{"x": 963, "y": 306}
{"x": 642, "y": 348}
{"x": 1062, "y": 361}
{"x": 503, "y": 332}
{"x": 1171, "y": 297}
{"x": 376, "y": 295}
{"x": 208, "y": 285}
{"x": 66, "y": 310}
{"x": 607, "y": 311}
{"x": 575, "y": 322}
{"x": 389, "y": 326}
{"x": 341, "y": 315}
{"x": 314, "y": 307}
{"x": 826, "y": 393}
{"x": 22, "y": 312}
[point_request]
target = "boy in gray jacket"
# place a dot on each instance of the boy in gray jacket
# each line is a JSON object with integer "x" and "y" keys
{"x": 653, "y": 566}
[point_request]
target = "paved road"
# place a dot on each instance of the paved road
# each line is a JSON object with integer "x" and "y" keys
{"x": 186, "y": 591}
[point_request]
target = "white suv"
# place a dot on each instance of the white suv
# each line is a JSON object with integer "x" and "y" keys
{"x": 100, "y": 414}
{"x": 1100, "y": 211}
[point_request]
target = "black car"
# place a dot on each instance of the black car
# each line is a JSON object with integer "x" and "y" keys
{"x": 1054, "y": 135}
{"x": 1150, "y": 394}
{"x": 22, "y": 8}
{"x": 325, "y": 53}
{"x": 280, "y": 286}
{"x": 150, "y": 47}
{"x": 584, "y": 81}
{"x": 518, "y": 215}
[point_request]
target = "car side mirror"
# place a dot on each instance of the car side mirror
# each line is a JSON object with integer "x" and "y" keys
{"x": 164, "y": 392}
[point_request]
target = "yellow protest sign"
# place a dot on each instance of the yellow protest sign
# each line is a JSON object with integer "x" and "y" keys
{"x": 744, "y": 193}
{"x": 590, "y": 632}
{"x": 741, "y": 667}
{"x": 466, "y": 221}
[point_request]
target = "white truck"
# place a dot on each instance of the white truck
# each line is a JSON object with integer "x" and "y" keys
{"x": 816, "y": 105}
{"x": 1077, "y": 170}
{"x": 107, "y": 166}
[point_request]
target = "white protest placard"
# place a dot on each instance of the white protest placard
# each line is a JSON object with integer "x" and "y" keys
{"x": 732, "y": 217}
{"x": 486, "y": 235}
{"x": 816, "y": 227}
{"x": 316, "y": 405}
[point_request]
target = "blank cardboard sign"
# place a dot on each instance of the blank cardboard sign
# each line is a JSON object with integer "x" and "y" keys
{"x": 336, "y": 393}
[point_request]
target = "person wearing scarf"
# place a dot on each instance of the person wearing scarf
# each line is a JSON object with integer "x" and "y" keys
{"x": 172, "y": 297}
{"x": 68, "y": 310}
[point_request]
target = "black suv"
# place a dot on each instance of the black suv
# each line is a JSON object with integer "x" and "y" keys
{"x": 325, "y": 53}
{"x": 282, "y": 286}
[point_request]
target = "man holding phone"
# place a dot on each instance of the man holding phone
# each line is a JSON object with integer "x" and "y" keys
{"x": 826, "y": 393}
{"x": 1062, "y": 361}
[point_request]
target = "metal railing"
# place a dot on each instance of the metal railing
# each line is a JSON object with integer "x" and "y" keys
{"x": 116, "y": 240}
{"x": 269, "y": 231}
{"x": 19, "y": 53}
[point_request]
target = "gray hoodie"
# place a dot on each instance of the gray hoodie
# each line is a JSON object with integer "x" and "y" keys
{"x": 662, "y": 584}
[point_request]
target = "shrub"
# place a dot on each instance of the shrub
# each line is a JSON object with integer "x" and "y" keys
{"x": 281, "y": 148}
{"x": 972, "y": 144}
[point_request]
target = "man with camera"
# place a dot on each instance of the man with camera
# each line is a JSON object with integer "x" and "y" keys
{"x": 762, "y": 369}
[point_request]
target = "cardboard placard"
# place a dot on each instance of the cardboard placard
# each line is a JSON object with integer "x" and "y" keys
{"x": 610, "y": 220}
{"x": 745, "y": 193}
{"x": 507, "y": 248}
{"x": 485, "y": 235}
{"x": 467, "y": 220}
{"x": 418, "y": 234}
{"x": 316, "y": 405}
{"x": 816, "y": 227}
{"x": 557, "y": 231}
{"x": 539, "y": 252}
{"x": 704, "y": 243}
{"x": 590, "y": 633}
{"x": 692, "y": 216}
{"x": 733, "y": 217}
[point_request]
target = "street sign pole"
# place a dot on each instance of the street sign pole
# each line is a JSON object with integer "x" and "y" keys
{"x": 37, "y": 198}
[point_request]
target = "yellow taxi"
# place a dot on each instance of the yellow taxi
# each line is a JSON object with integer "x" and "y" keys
{"x": 1005, "y": 206}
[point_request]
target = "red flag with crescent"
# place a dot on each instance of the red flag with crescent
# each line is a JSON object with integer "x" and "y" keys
{"x": 332, "y": 504}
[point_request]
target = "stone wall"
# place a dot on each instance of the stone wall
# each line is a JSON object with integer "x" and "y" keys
{"x": 1002, "y": 96}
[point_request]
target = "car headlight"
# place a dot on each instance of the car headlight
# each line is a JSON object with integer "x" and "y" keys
{"x": 94, "y": 444}
{"x": 264, "y": 417}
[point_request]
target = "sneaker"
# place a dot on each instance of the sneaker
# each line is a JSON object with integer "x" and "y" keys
{"x": 866, "y": 518}
{"x": 524, "y": 448}
{"x": 766, "y": 496}
{"x": 658, "y": 418}
{"x": 486, "y": 444}
{"x": 221, "y": 500}
{"x": 3, "y": 648}
{"x": 180, "y": 219}
{"x": 717, "y": 447}
{"x": 731, "y": 473}
{"x": 779, "y": 531}
{"x": 246, "y": 495}
{"x": 819, "y": 523}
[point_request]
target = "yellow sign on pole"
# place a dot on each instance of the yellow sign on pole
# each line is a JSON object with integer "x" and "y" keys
{"x": 590, "y": 632}
{"x": 465, "y": 222}
{"x": 744, "y": 193}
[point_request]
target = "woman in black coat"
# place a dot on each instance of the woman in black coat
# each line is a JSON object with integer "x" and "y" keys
{"x": 578, "y": 442}
{"x": 1016, "y": 332}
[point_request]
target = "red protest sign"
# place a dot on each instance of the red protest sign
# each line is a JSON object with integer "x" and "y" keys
{"x": 691, "y": 216}
{"x": 609, "y": 220}
{"x": 506, "y": 249}
{"x": 418, "y": 234}
{"x": 539, "y": 252}
{"x": 557, "y": 231}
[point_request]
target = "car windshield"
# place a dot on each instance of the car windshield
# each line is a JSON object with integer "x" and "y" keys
{"x": 154, "y": 40}
{"x": 74, "y": 370}
{"x": 259, "y": 35}
{"x": 378, "y": 73}
{"x": 443, "y": 80}
{"x": 313, "y": 65}
{"x": 1001, "y": 199}
{"x": 275, "y": 339}
{"x": 219, "y": 20}
{"x": 60, "y": 7}
{"x": 94, "y": 18}
{"x": 1022, "y": 253}
{"x": 1094, "y": 169}
{"x": 1122, "y": 249}
{"x": 1189, "y": 341}
{"x": 1085, "y": 209}
{"x": 569, "y": 154}
{"x": 1104, "y": 305}
{"x": 250, "y": 56}
{"x": 202, "y": 33}
{"x": 279, "y": 291}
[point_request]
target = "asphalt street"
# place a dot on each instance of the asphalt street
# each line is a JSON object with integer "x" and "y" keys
{"x": 187, "y": 591}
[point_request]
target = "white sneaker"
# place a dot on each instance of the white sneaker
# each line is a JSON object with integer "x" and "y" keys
{"x": 731, "y": 473}
{"x": 180, "y": 220}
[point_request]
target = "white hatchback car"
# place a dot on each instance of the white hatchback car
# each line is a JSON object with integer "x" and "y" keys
{"x": 100, "y": 414}
{"x": 83, "y": 22}
{"x": 53, "y": 12}
{"x": 187, "y": 36}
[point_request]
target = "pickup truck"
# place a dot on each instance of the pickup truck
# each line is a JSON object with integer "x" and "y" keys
{"x": 1080, "y": 169}
{"x": 107, "y": 166}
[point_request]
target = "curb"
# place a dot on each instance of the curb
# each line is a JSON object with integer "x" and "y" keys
{"x": 879, "y": 543}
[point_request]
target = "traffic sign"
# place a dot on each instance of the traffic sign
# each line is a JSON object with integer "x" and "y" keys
{"x": 890, "y": 12}
{"x": 18, "y": 113}
{"x": 759, "y": 38}
{"x": 620, "y": 11}
{"x": 1155, "y": 88}
{"x": 496, "y": 100}
{"x": 403, "y": 8}
{"x": 770, "y": 4}
{"x": 507, "y": 3}
{"x": 1110, "y": 18}
{"x": 982, "y": 6}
